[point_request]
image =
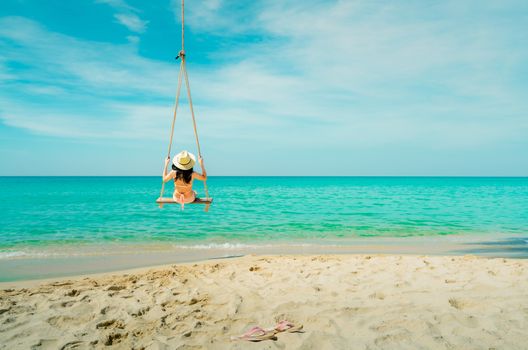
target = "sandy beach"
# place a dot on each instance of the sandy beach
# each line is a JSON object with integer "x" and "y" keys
{"x": 342, "y": 301}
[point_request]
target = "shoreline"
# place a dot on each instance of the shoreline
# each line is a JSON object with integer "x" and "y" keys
{"x": 36, "y": 282}
{"x": 32, "y": 283}
{"x": 372, "y": 301}
{"x": 69, "y": 261}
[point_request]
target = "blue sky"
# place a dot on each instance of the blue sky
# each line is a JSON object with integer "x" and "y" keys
{"x": 280, "y": 87}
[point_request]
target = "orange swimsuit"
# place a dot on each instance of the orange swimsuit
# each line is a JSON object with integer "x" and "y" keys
{"x": 183, "y": 193}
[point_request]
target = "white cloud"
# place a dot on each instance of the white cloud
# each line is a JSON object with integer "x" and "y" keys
{"x": 132, "y": 22}
{"x": 127, "y": 15}
{"x": 74, "y": 94}
{"x": 96, "y": 67}
{"x": 134, "y": 40}
{"x": 118, "y": 4}
{"x": 112, "y": 120}
{"x": 344, "y": 62}
{"x": 223, "y": 17}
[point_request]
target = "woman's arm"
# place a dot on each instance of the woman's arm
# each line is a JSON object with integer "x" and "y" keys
{"x": 167, "y": 177}
{"x": 199, "y": 176}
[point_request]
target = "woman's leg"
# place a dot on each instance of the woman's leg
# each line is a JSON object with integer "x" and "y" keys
{"x": 179, "y": 198}
{"x": 190, "y": 197}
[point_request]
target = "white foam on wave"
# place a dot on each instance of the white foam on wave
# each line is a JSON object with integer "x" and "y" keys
{"x": 28, "y": 254}
{"x": 237, "y": 246}
{"x": 8, "y": 255}
{"x": 228, "y": 246}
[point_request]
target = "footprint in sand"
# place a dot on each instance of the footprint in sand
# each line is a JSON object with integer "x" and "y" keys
{"x": 62, "y": 304}
{"x": 460, "y": 304}
{"x": 232, "y": 276}
{"x": 60, "y": 284}
{"x": 115, "y": 288}
{"x": 41, "y": 291}
{"x": 77, "y": 344}
{"x": 108, "y": 309}
{"x": 215, "y": 268}
{"x": 233, "y": 306}
{"x": 170, "y": 304}
{"x": 46, "y": 344}
{"x": 317, "y": 288}
{"x": 113, "y": 323}
{"x": 60, "y": 321}
{"x": 138, "y": 311}
{"x": 72, "y": 293}
{"x": 393, "y": 338}
{"x": 377, "y": 295}
{"x": 9, "y": 320}
{"x": 114, "y": 338}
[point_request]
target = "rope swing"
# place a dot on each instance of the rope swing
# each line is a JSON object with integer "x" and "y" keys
{"x": 184, "y": 76}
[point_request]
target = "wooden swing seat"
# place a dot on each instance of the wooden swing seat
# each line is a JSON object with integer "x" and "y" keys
{"x": 167, "y": 200}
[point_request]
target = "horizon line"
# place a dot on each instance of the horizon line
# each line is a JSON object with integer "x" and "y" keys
{"x": 306, "y": 176}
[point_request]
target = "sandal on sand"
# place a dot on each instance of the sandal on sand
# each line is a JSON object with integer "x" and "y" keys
{"x": 256, "y": 334}
{"x": 286, "y": 326}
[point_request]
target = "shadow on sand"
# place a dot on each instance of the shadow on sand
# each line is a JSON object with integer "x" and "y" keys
{"x": 516, "y": 247}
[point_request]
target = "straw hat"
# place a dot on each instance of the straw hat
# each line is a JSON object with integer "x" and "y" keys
{"x": 184, "y": 160}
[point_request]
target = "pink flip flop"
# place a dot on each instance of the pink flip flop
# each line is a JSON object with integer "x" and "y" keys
{"x": 256, "y": 334}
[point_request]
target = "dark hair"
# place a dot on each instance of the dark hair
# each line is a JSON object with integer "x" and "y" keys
{"x": 184, "y": 175}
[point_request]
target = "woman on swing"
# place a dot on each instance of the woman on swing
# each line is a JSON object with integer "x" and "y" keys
{"x": 183, "y": 175}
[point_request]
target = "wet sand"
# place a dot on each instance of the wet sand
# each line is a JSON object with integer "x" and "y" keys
{"x": 73, "y": 260}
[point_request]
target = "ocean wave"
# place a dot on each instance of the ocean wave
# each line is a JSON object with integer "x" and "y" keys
{"x": 228, "y": 246}
{"x": 238, "y": 246}
{"x": 30, "y": 254}
{"x": 8, "y": 255}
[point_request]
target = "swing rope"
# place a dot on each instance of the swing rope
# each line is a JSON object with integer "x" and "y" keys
{"x": 183, "y": 75}
{"x": 176, "y": 103}
{"x": 183, "y": 24}
{"x": 193, "y": 118}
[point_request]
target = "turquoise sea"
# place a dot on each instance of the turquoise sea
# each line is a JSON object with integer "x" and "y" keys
{"x": 84, "y": 216}
{"x": 39, "y": 211}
